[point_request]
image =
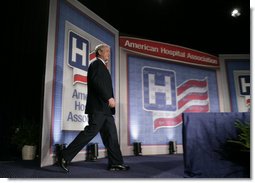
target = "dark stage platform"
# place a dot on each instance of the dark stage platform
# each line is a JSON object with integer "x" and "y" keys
{"x": 156, "y": 166}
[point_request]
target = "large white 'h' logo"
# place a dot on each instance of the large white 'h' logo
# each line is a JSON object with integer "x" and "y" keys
{"x": 81, "y": 52}
{"x": 153, "y": 89}
{"x": 244, "y": 85}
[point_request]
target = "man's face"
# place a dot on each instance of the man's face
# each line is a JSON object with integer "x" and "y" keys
{"x": 105, "y": 53}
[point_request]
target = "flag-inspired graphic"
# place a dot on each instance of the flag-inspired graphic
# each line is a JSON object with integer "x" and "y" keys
{"x": 192, "y": 96}
{"x": 80, "y": 76}
{"x": 159, "y": 92}
{"x": 79, "y": 56}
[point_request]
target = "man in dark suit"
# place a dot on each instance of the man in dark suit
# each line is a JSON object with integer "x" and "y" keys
{"x": 100, "y": 108}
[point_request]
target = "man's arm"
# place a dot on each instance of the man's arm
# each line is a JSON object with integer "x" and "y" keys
{"x": 111, "y": 102}
{"x": 100, "y": 83}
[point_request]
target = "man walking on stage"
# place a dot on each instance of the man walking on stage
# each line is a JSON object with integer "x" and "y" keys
{"x": 100, "y": 108}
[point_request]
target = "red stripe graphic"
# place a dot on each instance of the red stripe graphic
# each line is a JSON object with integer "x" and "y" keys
{"x": 80, "y": 78}
{"x": 189, "y": 84}
{"x": 198, "y": 108}
{"x": 192, "y": 96}
{"x": 196, "y": 99}
{"x": 92, "y": 56}
{"x": 160, "y": 122}
{"x": 171, "y": 122}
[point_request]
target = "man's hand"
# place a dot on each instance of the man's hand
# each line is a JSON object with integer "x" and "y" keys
{"x": 111, "y": 103}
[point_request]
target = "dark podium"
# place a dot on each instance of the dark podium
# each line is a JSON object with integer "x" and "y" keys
{"x": 204, "y": 141}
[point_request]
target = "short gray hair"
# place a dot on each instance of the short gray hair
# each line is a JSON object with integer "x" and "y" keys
{"x": 99, "y": 47}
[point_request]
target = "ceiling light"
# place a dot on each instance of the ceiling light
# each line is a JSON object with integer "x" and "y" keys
{"x": 235, "y": 13}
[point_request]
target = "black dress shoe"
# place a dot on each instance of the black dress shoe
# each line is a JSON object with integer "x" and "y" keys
{"x": 63, "y": 163}
{"x": 118, "y": 167}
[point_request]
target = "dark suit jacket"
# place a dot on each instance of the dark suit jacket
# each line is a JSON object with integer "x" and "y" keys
{"x": 99, "y": 89}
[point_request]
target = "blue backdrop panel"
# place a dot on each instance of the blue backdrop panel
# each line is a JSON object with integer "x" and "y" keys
{"x": 144, "y": 125}
{"x": 66, "y": 12}
{"x": 231, "y": 66}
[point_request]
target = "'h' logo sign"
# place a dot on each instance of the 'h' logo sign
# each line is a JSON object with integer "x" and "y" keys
{"x": 245, "y": 85}
{"x": 159, "y": 89}
{"x": 79, "y": 57}
{"x": 78, "y": 51}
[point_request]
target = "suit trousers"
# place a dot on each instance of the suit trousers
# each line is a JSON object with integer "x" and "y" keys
{"x": 98, "y": 122}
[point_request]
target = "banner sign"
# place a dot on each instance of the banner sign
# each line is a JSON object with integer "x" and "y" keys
{"x": 76, "y": 36}
{"x": 238, "y": 77}
{"x": 79, "y": 53}
{"x": 244, "y": 85}
{"x": 159, "y": 92}
{"x": 243, "y": 89}
{"x": 169, "y": 52}
{"x": 73, "y": 33}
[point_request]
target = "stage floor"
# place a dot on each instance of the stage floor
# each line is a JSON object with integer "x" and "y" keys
{"x": 156, "y": 166}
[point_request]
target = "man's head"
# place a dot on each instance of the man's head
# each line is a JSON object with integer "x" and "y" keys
{"x": 103, "y": 51}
